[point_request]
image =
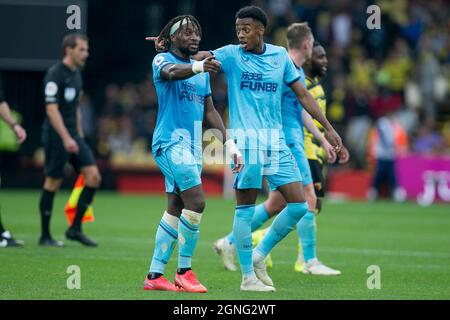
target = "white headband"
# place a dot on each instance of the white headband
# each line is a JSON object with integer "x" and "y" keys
{"x": 177, "y": 25}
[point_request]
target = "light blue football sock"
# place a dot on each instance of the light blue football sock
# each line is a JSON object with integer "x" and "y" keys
{"x": 187, "y": 237}
{"x": 243, "y": 237}
{"x": 165, "y": 242}
{"x": 283, "y": 223}
{"x": 259, "y": 217}
{"x": 307, "y": 235}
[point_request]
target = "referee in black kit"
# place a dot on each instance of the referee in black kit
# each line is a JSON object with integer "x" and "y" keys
{"x": 63, "y": 141}
{"x": 6, "y": 238}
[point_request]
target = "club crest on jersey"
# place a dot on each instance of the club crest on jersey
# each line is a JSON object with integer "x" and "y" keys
{"x": 69, "y": 94}
{"x": 275, "y": 63}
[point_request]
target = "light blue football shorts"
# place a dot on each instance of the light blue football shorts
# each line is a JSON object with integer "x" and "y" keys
{"x": 277, "y": 167}
{"x": 181, "y": 169}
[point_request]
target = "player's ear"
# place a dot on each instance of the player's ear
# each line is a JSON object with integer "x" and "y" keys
{"x": 261, "y": 29}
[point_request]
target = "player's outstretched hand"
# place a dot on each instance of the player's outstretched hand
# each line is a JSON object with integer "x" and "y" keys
{"x": 211, "y": 65}
{"x": 71, "y": 145}
{"x": 238, "y": 163}
{"x": 160, "y": 45}
{"x": 344, "y": 155}
{"x": 334, "y": 139}
{"x": 20, "y": 132}
{"x": 331, "y": 155}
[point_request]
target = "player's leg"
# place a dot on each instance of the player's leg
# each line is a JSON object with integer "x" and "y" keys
{"x": 165, "y": 241}
{"x": 51, "y": 186}
{"x": 245, "y": 199}
{"x": 247, "y": 183}
{"x": 274, "y": 204}
{"x": 245, "y": 207}
{"x": 307, "y": 261}
{"x": 186, "y": 170}
{"x": 283, "y": 223}
{"x": 305, "y": 227}
{"x": 306, "y": 231}
{"x": 167, "y": 233}
{"x": 188, "y": 234}
{"x": 285, "y": 178}
{"x": 6, "y": 238}
{"x": 263, "y": 212}
{"x": 55, "y": 160}
{"x": 85, "y": 162}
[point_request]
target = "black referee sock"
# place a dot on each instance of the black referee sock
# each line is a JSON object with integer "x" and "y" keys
{"x": 1, "y": 225}
{"x": 84, "y": 201}
{"x": 46, "y": 207}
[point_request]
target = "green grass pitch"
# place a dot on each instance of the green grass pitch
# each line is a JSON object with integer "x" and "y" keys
{"x": 410, "y": 244}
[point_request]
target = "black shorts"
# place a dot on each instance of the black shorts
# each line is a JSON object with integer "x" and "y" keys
{"x": 56, "y": 155}
{"x": 317, "y": 176}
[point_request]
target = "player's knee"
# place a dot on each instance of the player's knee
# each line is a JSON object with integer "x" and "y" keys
{"x": 274, "y": 208}
{"x": 199, "y": 205}
{"x": 52, "y": 184}
{"x": 93, "y": 179}
{"x": 196, "y": 204}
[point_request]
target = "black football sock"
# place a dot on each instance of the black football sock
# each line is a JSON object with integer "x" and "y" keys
{"x": 84, "y": 201}
{"x": 153, "y": 275}
{"x": 46, "y": 207}
{"x": 183, "y": 270}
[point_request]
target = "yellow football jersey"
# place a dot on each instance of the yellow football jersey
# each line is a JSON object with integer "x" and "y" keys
{"x": 313, "y": 149}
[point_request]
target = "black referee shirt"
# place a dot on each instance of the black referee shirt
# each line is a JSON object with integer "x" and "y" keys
{"x": 63, "y": 87}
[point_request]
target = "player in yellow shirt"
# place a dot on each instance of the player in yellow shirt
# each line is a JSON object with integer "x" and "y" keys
{"x": 315, "y": 69}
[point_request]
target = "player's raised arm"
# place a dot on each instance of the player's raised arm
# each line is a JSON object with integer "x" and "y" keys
{"x": 309, "y": 124}
{"x": 183, "y": 71}
{"x": 308, "y": 102}
{"x": 215, "y": 121}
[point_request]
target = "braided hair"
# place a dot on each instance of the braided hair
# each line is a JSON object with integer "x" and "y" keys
{"x": 165, "y": 32}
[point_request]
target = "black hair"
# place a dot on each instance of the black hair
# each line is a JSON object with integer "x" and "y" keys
{"x": 253, "y": 12}
{"x": 70, "y": 41}
{"x": 165, "y": 32}
{"x": 317, "y": 44}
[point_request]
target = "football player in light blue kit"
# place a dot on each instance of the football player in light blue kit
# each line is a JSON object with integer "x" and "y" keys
{"x": 300, "y": 43}
{"x": 256, "y": 73}
{"x": 184, "y": 98}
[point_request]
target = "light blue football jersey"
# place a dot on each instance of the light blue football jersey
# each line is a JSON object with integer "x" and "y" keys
{"x": 255, "y": 87}
{"x": 291, "y": 113}
{"x": 180, "y": 105}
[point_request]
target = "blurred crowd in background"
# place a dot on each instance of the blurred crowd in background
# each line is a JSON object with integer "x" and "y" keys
{"x": 401, "y": 69}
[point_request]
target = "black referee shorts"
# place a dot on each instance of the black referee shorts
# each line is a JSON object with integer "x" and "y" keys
{"x": 56, "y": 155}
{"x": 317, "y": 176}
